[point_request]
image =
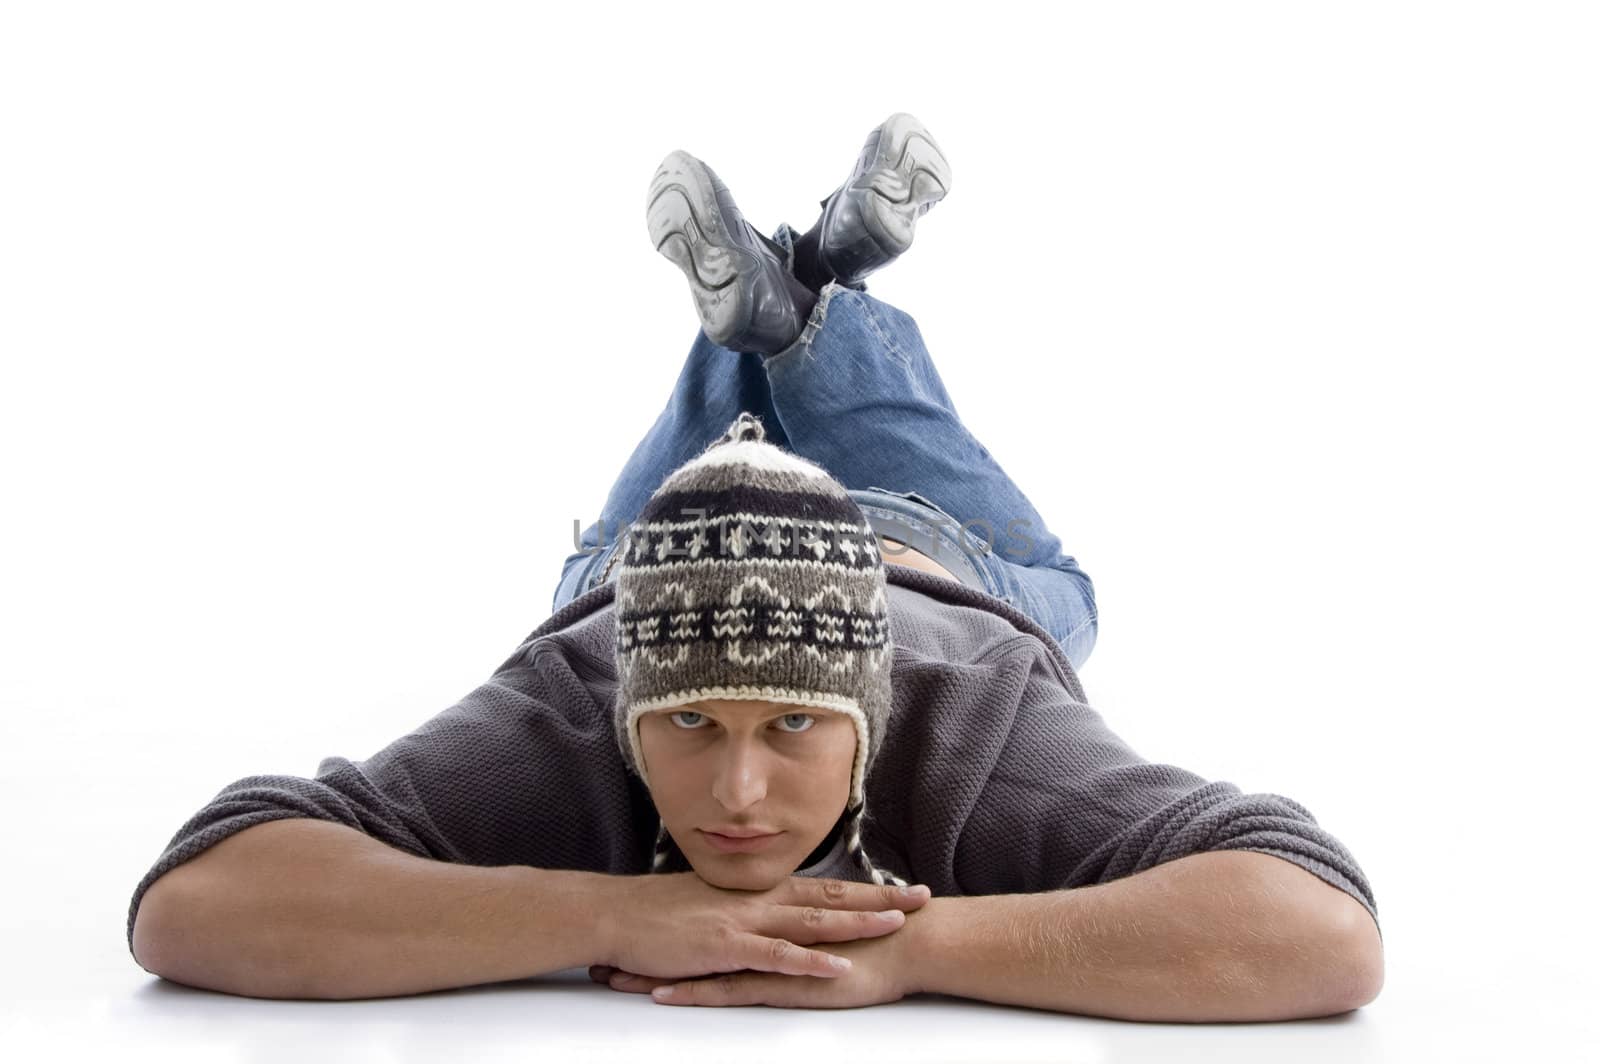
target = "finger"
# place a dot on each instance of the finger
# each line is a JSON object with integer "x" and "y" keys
{"x": 811, "y": 924}
{"x": 746, "y": 988}
{"x": 629, "y": 983}
{"x": 779, "y": 955}
{"x": 843, "y": 894}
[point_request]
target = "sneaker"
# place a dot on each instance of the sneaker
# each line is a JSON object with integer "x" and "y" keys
{"x": 745, "y": 295}
{"x": 868, "y": 222}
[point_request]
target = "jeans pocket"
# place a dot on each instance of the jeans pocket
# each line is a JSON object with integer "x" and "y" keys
{"x": 914, "y": 497}
{"x": 969, "y": 541}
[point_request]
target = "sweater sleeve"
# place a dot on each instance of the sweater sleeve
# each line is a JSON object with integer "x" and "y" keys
{"x": 523, "y": 770}
{"x": 1069, "y": 804}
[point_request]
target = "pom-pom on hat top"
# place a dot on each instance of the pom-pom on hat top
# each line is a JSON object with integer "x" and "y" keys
{"x": 751, "y": 574}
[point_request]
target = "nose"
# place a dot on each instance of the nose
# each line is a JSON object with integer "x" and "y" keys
{"x": 741, "y": 779}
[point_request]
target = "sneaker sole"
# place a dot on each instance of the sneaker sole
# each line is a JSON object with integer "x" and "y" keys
{"x": 905, "y": 176}
{"x": 687, "y": 226}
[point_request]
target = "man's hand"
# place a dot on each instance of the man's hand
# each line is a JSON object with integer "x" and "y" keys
{"x": 880, "y": 972}
{"x": 677, "y": 926}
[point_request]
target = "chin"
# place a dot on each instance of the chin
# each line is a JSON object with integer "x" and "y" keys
{"x": 732, "y": 871}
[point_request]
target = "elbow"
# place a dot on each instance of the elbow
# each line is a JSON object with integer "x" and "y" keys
{"x": 1355, "y": 970}
{"x": 1366, "y": 964}
{"x": 150, "y": 930}
{"x": 159, "y": 936}
{"x": 176, "y": 937}
{"x": 164, "y": 933}
{"x": 1330, "y": 963}
{"x": 1324, "y": 970}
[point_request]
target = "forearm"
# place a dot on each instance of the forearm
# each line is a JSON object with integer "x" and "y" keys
{"x": 1222, "y": 936}
{"x": 303, "y": 908}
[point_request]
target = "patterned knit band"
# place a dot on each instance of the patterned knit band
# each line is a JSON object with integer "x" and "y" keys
{"x": 752, "y": 574}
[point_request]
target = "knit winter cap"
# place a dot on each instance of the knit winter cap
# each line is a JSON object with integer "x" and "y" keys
{"x": 750, "y": 573}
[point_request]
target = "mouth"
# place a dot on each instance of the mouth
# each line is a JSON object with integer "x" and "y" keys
{"x": 744, "y": 844}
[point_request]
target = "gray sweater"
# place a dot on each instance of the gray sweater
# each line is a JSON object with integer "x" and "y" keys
{"x": 996, "y": 776}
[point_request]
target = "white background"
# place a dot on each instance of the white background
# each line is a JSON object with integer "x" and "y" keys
{"x": 322, "y": 323}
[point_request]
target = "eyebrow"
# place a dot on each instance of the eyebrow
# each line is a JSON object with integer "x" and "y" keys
{"x": 701, "y": 707}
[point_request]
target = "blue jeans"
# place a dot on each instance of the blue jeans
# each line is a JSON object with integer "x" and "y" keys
{"x": 857, "y": 393}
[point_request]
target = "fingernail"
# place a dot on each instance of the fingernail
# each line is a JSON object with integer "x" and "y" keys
{"x": 839, "y": 962}
{"x": 914, "y": 892}
{"x": 892, "y": 914}
{"x": 662, "y": 991}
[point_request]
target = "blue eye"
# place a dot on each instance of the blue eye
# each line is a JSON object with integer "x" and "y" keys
{"x": 809, "y": 719}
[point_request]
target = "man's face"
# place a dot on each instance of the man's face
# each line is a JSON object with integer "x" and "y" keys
{"x": 747, "y": 765}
